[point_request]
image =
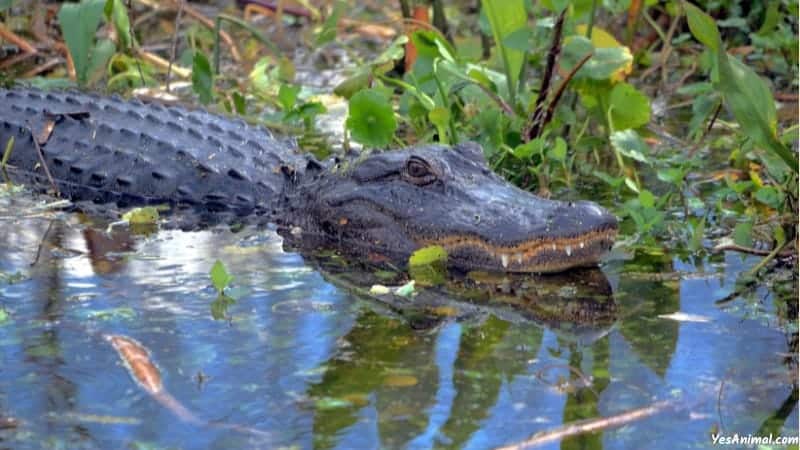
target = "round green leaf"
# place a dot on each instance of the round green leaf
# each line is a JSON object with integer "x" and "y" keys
{"x": 371, "y": 119}
{"x": 628, "y": 107}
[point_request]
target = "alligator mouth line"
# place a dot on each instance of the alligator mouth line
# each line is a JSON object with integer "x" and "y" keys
{"x": 538, "y": 255}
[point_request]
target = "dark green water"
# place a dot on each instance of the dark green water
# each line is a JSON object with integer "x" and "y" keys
{"x": 317, "y": 367}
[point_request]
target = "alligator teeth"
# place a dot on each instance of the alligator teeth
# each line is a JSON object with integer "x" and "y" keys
{"x": 504, "y": 260}
{"x": 569, "y": 250}
{"x": 581, "y": 244}
{"x": 518, "y": 257}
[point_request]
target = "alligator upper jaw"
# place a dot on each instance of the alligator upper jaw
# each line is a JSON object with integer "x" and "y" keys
{"x": 538, "y": 255}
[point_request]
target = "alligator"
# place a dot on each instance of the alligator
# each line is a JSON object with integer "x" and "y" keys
{"x": 98, "y": 150}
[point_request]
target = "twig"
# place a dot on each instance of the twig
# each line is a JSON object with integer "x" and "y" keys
{"x": 158, "y": 61}
{"x": 47, "y": 65}
{"x": 551, "y": 107}
{"x": 591, "y": 425}
{"x": 749, "y": 250}
{"x": 181, "y": 4}
{"x": 719, "y": 405}
{"x": 767, "y": 259}
{"x": 41, "y": 243}
{"x": 43, "y": 161}
{"x": 208, "y": 23}
{"x": 666, "y": 51}
{"x": 235, "y": 20}
{"x": 535, "y": 126}
{"x": 273, "y": 8}
{"x": 12, "y": 37}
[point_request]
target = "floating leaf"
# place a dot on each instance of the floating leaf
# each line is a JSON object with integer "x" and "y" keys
{"x": 121, "y": 313}
{"x": 220, "y": 277}
{"x": 219, "y": 307}
{"x": 405, "y": 290}
{"x": 428, "y": 255}
{"x": 428, "y": 265}
{"x": 371, "y": 119}
{"x": 3, "y": 316}
{"x": 400, "y": 380}
{"x": 147, "y": 215}
{"x": 379, "y": 289}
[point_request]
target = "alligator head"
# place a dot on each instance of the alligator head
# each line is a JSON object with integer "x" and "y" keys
{"x": 396, "y": 202}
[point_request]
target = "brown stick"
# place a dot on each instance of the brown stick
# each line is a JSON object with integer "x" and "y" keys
{"x": 591, "y": 425}
{"x": 551, "y": 107}
{"x": 15, "y": 39}
{"x": 535, "y": 126}
{"x": 158, "y": 61}
{"x": 181, "y": 4}
{"x": 43, "y": 161}
{"x": 208, "y": 23}
{"x": 47, "y": 65}
{"x": 272, "y": 7}
{"x": 749, "y": 250}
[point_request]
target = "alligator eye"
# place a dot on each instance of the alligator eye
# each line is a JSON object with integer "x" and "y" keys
{"x": 419, "y": 172}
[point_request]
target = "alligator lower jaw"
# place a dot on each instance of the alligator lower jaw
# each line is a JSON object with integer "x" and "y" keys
{"x": 542, "y": 255}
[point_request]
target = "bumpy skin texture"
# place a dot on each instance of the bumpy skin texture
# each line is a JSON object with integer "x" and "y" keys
{"x": 106, "y": 150}
{"x": 395, "y": 202}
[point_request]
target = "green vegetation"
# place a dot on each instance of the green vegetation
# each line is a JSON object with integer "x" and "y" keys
{"x": 664, "y": 112}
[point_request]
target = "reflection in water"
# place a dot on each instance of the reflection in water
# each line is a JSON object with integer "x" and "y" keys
{"x": 481, "y": 361}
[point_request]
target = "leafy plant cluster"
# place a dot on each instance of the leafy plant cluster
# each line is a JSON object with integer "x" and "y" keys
{"x": 597, "y": 124}
{"x": 566, "y": 102}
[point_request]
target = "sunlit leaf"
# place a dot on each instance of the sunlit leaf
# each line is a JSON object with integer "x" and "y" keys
{"x": 630, "y": 144}
{"x": 428, "y": 265}
{"x": 147, "y": 215}
{"x": 370, "y": 118}
{"x": 428, "y": 255}
{"x": 600, "y": 38}
{"x": 605, "y": 63}
{"x": 220, "y": 277}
